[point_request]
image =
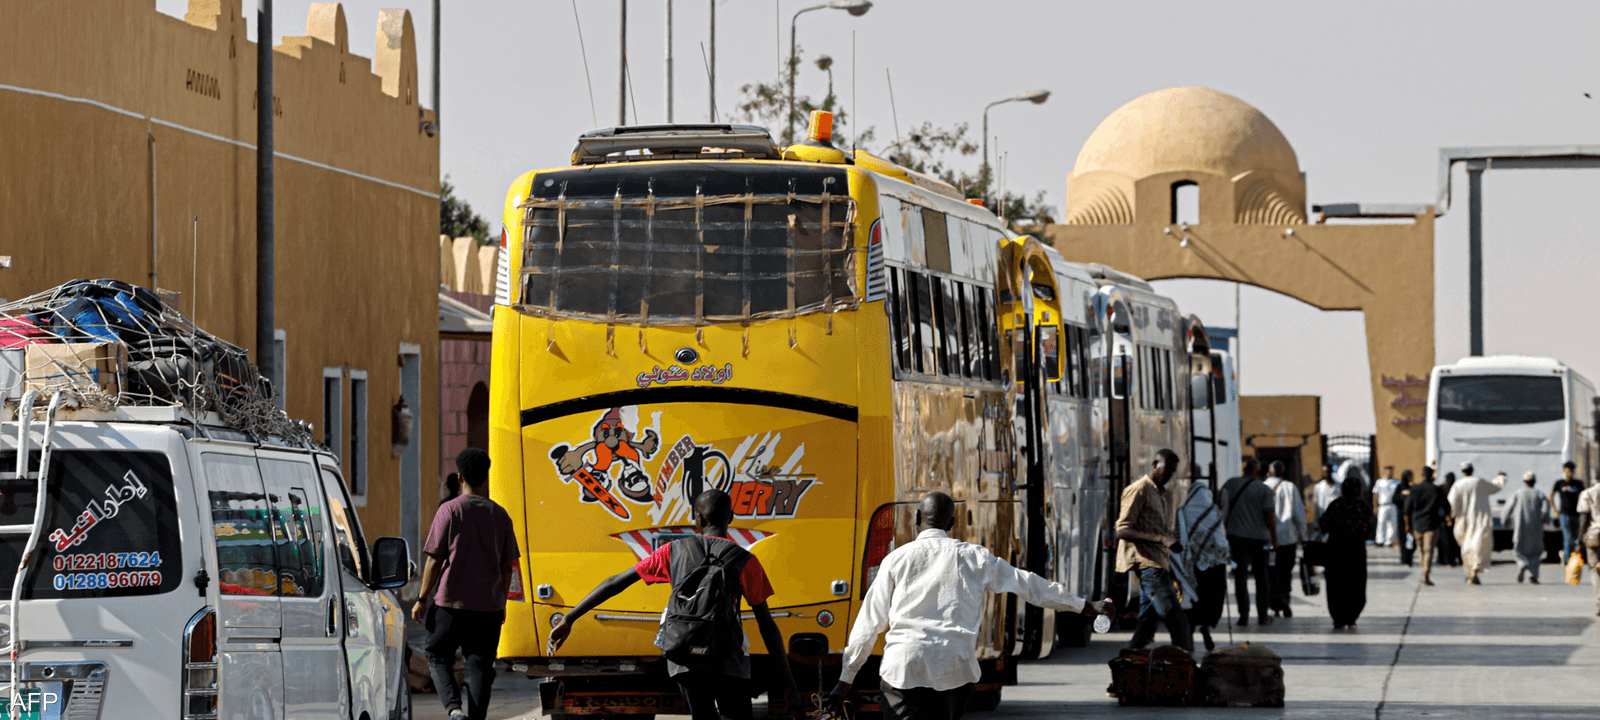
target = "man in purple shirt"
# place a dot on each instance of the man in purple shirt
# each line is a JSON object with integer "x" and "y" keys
{"x": 471, "y": 552}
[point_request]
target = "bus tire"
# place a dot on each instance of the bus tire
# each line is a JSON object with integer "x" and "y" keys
{"x": 1073, "y": 629}
{"x": 984, "y": 701}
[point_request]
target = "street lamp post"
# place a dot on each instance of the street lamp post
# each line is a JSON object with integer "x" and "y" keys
{"x": 1036, "y": 97}
{"x": 856, "y": 8}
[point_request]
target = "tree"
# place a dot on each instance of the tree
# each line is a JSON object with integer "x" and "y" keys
{"x": 456, "y": 217}
{"x": 926, "y": 148}
{"x": 767, "y": 104}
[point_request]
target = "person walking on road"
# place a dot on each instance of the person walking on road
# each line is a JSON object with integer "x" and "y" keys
{"x": 1474, "y": 524}
{"x": 1526, "y": 513}
{"x": 1324, "y": 492}
{"x": 714, "y": 686}
{"x": 929, "y": 595}
{"x": 1383, "y": 501}
{"x": 1291, "y": 518}
{"x": 1202, "y": 563}
{"x": 1249, "y": 515}
{"x": 471, "y": 552}
{"x": 1402, "y": 495}
{"x": 1347, "y": 522}
{"x": 1564, "y": 498}
{"x": 1145, "y": 541}
{"x": 1449, "y": 549}
{"x": 1425, "y": 510}
{"x": 1589, "y": 537}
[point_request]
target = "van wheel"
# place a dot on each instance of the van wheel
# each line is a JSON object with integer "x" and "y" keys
{"x": 984, "y": 700}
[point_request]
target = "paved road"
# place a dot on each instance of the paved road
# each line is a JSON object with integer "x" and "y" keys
{"x": 1497, "y": 650}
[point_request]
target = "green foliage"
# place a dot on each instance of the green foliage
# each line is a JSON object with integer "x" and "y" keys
{"x": 456, "y": 217}
{"x": 766, "y": 104}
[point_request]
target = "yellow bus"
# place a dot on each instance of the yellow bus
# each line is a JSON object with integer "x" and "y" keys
{"x": 826, "y": 337}
{"x": 689, "y": 307}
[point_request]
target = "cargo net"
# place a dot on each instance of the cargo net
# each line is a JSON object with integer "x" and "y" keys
{"x": 105, "y": 344}
{"x": 624, "y": 256}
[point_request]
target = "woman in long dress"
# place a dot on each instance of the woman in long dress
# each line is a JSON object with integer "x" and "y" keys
{"x": 1202, "y": 565}
{"x": 1449, "y": 549}
{"x": 1347, "y": 522}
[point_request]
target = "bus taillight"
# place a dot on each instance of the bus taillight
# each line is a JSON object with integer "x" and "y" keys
{"x": 880, "y": 540}
{"x": 514, "y": 585}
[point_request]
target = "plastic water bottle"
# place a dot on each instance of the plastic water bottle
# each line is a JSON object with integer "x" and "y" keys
{"x": 1102, "y": 623}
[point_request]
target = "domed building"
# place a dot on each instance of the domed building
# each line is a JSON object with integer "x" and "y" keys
{"x": 1142, "y": 156}
{"x": 1191, "y": 182}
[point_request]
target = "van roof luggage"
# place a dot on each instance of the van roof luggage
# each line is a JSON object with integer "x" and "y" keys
{"x": 108, "y": 345}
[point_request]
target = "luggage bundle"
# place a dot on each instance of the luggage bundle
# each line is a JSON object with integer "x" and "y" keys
{"x": 1160, "y": 676}
{"x": 1243, "y": 675}
{"x": 107, "y": 344}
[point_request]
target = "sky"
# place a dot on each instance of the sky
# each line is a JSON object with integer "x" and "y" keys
{"x": 1366, "y": 92}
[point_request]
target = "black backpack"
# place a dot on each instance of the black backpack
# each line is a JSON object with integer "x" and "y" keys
{"x": 702, "y": 627}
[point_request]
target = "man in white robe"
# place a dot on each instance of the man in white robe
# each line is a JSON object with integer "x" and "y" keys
{"x": 1526, "y": 514}
{"x": 1474, "y": 523}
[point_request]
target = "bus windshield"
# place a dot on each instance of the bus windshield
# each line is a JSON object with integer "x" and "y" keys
{"x": 665, "y": 243}
{"x": 1501, "y": 399}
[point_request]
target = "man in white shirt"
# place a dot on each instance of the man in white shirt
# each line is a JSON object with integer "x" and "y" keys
{"x": 1291, "y": 516}
{"x": 1589, "y": 536}
{"x": 1383, "y": 504}
{"x": 929, "y": 596}
{"x": 1322, "y": 494}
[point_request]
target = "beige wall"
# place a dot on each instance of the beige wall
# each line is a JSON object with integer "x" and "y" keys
{"x": 99, "y": 97}
{"x": 1284, "y": 421}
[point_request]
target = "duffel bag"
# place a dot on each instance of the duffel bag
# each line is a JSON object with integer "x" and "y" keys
{"x": 1244, "y": 675}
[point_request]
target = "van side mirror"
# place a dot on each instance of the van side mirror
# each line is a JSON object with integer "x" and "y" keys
{"x": 391, "y": 563}
{"x": 1199, "y": 391}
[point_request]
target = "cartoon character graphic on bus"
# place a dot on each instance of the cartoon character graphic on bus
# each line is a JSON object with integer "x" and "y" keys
{"x": 613, "y": 456}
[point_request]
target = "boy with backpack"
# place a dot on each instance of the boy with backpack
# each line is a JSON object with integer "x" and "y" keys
{"x": 702, "y": 637}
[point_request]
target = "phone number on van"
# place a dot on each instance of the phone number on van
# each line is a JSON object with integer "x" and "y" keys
{"x": 101, "y": 581}
{"x": 107, "y": 561}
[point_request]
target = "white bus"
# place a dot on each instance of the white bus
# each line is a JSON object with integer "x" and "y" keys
{"x": 1220, "y": 460}
{"x": 1511, "y": 414}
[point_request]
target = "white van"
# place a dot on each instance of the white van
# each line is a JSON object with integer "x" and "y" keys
{"x": 186, "y": 570}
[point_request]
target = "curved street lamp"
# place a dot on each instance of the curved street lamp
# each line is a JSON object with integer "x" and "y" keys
{"x": 856, "y": 8}
{"x": 1036, "y": 97}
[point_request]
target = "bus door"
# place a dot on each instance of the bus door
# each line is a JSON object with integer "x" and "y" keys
{"x": 1116, "y": 355}
{"x": 1204, "y": 440}
{"x": 1034, "y": 319}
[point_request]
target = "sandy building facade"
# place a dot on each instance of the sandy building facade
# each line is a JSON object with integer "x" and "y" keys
{"x": 128, "y": 152}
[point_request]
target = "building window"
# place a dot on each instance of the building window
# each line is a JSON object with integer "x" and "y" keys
{"x": 356, "y": 463}
{"x": 1185, "y": 203}
{"x": 478, "y": 417}
{"x": 280, "y": 368}
{"x": 333, "y": 409}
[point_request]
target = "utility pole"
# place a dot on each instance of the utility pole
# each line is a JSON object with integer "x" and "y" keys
{"x": 669, "y": 61}
{"x": 711, "y": 66}
{"x": 622, "y": 65}
{"x": 266, "y": 316}
{"x": 1475, "y": 170}
{"x": 436, "y": 63}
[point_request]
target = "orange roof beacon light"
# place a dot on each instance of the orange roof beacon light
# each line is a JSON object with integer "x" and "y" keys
{"x": 821, "y": 129}
{"x": 975, "y": 201}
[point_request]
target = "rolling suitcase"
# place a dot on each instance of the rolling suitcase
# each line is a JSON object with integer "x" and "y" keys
{"x": 1243, "y": 675}
{"x": 1159, "y": 676}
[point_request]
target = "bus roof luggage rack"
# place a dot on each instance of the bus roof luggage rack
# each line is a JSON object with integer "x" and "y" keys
{"x": 674, "y": 142}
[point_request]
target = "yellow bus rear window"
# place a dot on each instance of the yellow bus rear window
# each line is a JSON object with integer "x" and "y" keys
{"x": 682, "y": 243}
